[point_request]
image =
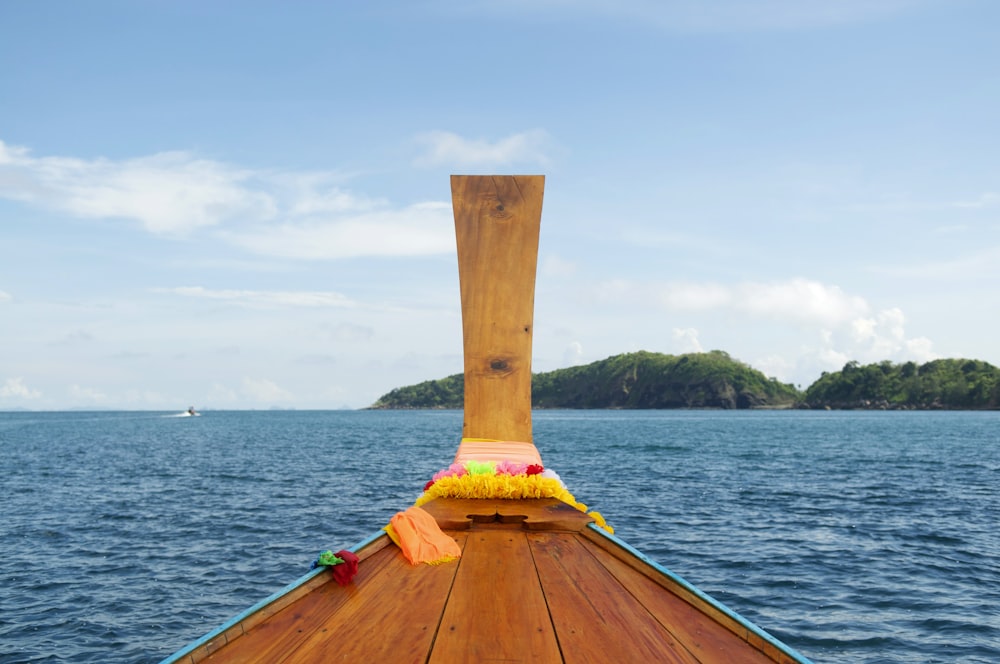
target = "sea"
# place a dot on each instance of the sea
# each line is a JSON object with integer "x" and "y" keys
{"x": 852, "y": 536}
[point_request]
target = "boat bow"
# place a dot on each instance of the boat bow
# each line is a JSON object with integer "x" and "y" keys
{"x": 538, "y": 578}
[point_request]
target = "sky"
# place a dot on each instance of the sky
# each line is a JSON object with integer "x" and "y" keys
{"x": 246, "y": 205}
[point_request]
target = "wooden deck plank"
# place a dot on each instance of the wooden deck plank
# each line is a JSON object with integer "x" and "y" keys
{"x": 515, "y": 595}
{"x": 394, "y": 620}
{"x": 591, "y": 611}
{"x": 533, "y": 514}
{"x": 496, "y": 612}
{"x": 708, "y": 640}
{"x": 276, "y": 638}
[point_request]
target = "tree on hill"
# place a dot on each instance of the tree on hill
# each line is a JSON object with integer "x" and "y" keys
{"x": 951, "y": 383}
{"x": 443, "y": 393}
{"x": 630, "y": 380}
{"x": 655, "y": 380}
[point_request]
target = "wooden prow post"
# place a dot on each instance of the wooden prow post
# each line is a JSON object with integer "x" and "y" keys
{"x": 497, "y": 218}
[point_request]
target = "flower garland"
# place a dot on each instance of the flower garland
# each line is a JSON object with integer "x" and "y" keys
{"x": 504, "y": 480}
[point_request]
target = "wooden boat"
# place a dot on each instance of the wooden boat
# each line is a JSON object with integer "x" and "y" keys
{"x": 538, "y": 579}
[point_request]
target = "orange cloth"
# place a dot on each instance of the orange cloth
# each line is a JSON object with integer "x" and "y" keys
{"x": 420, "y": 538}
{"x": 473, "y": 449}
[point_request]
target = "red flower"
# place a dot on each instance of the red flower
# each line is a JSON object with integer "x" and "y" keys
{"x": 429, "y": 484}
{"x": 535, "y": 469}
{"x": 345, "y": 571}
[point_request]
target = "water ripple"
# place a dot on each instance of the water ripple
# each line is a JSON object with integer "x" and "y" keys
{"x": 854, "y": 537}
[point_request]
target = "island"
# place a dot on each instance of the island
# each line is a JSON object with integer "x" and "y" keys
{"x": 649, "y": 380}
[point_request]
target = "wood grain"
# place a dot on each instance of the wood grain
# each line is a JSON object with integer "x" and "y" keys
{"x": 535, "y": 514}
{"x": 497, "y": 220}
{"x": 702, "y": 635}
{"x": 394, "y": 620}
{"x": 279, "y": 636}
{"x": 496, "y": 612}
{"x": 592, "y": 612}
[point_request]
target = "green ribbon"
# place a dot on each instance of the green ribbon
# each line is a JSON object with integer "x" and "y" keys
{"x": 327, "y": 558}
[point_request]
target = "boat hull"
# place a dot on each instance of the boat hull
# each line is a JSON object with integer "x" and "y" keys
{"x": 537, "y": 582}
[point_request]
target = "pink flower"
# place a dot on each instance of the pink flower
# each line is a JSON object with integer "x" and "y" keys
{"x": 511, "y": 468}
{"x": 454, "y": 470}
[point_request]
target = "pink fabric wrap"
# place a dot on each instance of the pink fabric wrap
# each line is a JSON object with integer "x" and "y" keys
{"x": 498, "y": 450}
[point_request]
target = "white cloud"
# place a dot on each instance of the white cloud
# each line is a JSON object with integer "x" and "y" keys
{"x": 144, "y": 397}
{"x": 866, "y": 340}
{"x": 831, "y": 359}
{"x": 772, "y": 313}
{"x": 799, "y": 299}
{"x": 686, "y": 340}
{"x": 311, "y": 194}
{"x": 449, "y": 149}
{"x": 266, "y": 298}
{"x": 573, "y": 354}
{"x": 262, "y": 390}
{"x": 288, "y": 215}
{"x": 775, "y": 366}
{"x": 9, "y": 154}
{"x": 884, "y": 338}
{"x": 919, "y": 350}
{"x": 14, "y": 388}
{"x": 419, "y": 230}
{"x": 168, "y": 193}
{"x": 693, "y": 296}
{"x": 88, "y": 394}
{"x": 5, "y": 296}
{"x": 222, "y": 394}
{"x": 793, "y": 300}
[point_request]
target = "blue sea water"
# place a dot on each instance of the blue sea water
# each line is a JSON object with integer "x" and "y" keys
{"x": 852, "y": 536}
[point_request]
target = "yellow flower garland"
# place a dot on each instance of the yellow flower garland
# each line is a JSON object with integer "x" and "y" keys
{"x": 506, "y": 487}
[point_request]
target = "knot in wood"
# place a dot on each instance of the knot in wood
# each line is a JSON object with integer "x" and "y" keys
{"x": 499, "y": 213}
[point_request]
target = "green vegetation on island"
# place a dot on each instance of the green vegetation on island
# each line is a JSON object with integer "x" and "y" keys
{"x": 443, "y": 393}
{"x": 953, "y": 384}
{"x": 715, "y": 380}
{"x": 632, "y": 380}
{"x": 655, "y": 380}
